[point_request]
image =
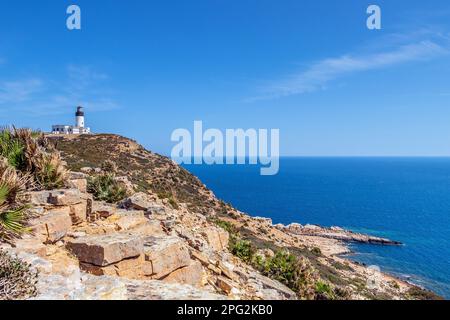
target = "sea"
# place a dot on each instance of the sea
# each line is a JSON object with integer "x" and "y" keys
{"x": 403, "y": 199}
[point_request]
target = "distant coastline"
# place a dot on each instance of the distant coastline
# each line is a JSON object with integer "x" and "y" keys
{"x": 400, "y": 198}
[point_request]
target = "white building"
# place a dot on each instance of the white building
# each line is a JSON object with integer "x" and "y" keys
{"x": 79, "y": 127}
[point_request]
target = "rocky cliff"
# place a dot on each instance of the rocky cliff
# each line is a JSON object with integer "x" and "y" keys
{"x": 169, "y": 237}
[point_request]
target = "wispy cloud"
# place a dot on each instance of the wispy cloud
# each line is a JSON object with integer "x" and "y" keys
{"x": 81, "y": 85}
{"x": 12, "y": 92}
{"x": 318, "y": 75}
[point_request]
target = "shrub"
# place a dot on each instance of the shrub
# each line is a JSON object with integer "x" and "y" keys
{"x": 296, "y": 273}
{"x": 243, "y": 249}
{"x": 17, "y": 280}
{"x": 49, "y": 173}
{"x": 227, "y": 226}
{"x": 109, "y": 166}
{"x": 12, "y": 149}
{"x": 30, "y": 153}
{"x": 105, "y": 187}
{"x": 324, "y": 291}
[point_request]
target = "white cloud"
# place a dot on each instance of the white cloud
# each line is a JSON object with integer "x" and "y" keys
{"x": 319, "y": 74}
{"x": 39, "y": 97}
{"x": 19, "y": 90}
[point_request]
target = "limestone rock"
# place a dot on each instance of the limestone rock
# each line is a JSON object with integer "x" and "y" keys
{"x": 166, "y": 254}
{"x": 65, "y": 197}
{"x": 51, "y": 227}
{"x": 103, "y": 250}
{"x": 192, "y": 274}
{"x": 101, "y": 210}
{"x": 78, "y": 212}
{"x": 37, "y": 198}
{"x": 216, "y": 237}
{"x": 138, "y": 201}
{"x": 128, "y": 268}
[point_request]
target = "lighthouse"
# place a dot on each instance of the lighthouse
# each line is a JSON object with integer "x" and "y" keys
{"x": 79, "y": 117}
{"x": 78, "y": 128}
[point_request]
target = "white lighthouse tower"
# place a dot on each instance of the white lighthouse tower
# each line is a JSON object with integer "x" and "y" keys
{"x": 79, "y": 118}
{"x": 79, "y": 127}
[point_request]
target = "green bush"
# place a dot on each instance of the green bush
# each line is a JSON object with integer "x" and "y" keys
{"x": 105, "y": 187}
{"x": 324, "y": 291}
{"x": 17, "y": 280}
{"x": 227, "y": 226}
{"x": 296, "y": 273}
{"x": 243, "y": 249}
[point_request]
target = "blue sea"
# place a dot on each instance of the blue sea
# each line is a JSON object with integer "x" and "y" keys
{"x": 404, "y": 199}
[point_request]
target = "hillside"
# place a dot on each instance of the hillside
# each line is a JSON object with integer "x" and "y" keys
{"x": 131, "y": 224}
{"x": 159, "y": 175}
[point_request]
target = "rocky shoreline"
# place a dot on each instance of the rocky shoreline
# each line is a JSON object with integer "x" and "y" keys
{"x": 337, "y": 233}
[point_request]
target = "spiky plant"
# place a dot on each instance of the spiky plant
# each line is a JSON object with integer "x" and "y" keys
{"x": 30, "y": 152}
{"x": 12, "y": 149}
{"x": 49, "y": 172}
{"x": 12, "y": 214}
{"x": 105, "y": 187}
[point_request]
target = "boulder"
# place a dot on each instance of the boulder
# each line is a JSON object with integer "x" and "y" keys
{"x": 78, "y": 212}
{"x": 36, "y": 198}
{"x": 165, "y": 254}
{"x": 103, "y": 250}
{"x": 65, "y": 197}
{"x": 130, "y": 221}
{"x": 191, "y": 274}
{"x": 138, "y": 201}
{"x": 101, "y": 210}
{"x": 51, "y": 227}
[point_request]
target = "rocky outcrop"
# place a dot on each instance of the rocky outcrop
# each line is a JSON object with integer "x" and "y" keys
{"x": 165, "y": 255}
{"x": 107, "y": 249}
{"x": 337, "y": 234}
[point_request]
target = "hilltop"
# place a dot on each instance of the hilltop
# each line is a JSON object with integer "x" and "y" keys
{"x": 138, "y": 226}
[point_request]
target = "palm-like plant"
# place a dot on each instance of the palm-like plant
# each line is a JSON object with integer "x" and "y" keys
{"x": 12, "y": 214}
{"x": 49, "y": 172}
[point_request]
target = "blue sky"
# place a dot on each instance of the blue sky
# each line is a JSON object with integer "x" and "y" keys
{"x": 310, "y": 68}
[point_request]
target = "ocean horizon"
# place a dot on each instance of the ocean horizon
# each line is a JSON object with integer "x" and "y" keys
{"x": 400, "y": 198}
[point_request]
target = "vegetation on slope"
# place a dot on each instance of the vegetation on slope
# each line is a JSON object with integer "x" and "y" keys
{"x": 27, "y": 161}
